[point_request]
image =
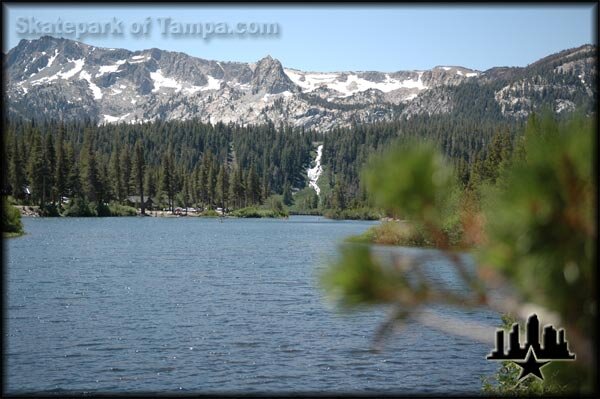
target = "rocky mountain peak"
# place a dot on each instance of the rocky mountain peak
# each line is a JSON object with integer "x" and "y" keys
{"x": 63, "y": 79}
{"x": 269, "y": 76}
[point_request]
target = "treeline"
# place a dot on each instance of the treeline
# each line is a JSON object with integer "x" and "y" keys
{"x": 193, "y": 164}
{"x": 178, "y": 163}
{"x": 540, "y": 188}
{"x": 467, "y": 142}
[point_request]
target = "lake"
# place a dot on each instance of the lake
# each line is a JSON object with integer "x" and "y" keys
{"x": 195, "y": 305}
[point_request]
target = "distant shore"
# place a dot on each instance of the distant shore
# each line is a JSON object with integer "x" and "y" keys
{"x": 32, "y": 211}
{"x": 28, "y": 211}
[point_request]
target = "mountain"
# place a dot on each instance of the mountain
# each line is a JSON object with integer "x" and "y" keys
{"x": 64, "y": 79}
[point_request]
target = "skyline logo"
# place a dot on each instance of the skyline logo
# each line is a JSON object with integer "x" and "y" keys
{"x": 533, "y": 356}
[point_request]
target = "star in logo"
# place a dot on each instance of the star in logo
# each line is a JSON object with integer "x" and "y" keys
{"x": 526, "y": 357}
{"x": 531, "y": 365}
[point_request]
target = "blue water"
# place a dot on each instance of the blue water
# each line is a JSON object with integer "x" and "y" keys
{"x": 176, "y": 305}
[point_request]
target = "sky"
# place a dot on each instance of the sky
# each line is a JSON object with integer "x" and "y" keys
{"x": 337, "y": 38}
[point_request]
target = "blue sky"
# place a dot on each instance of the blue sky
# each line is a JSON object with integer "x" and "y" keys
{"x": 333, "y": 38}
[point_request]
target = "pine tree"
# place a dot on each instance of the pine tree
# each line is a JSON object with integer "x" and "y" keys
{"x": 204, "y": 184}
{"x": 74, "y": 178}
{"x": 236, "y": 188}
{"x": 138, "y": 172}
{"x": 211, "y": 184}
{"x": 314, "y": 200}
{"x": 6, "y": 162}
{"x": 185, "y": 192}
{"x": 252, "y": 187}
{"x": 195, "y": 185}
{"x": 287, "y": 194}
{"x": 150, "y": 183}
{"x": 222, "y": 186}
{"x": 167, "y": 184}
{"x": 91, "y": 179}
{"x": 18, "y": 178}
{"x": 477, "y": 173}
{"x": 126, "y": 171}
{"x": 339, "y": 196}
{"x": 265, "y": 186}
{"x": 105, "y": 192}
{"x": 116, "y": 175}
{"x": 37, "y": 169}
{"x": 50, "y": 157}
{"x": 62, "y": 169}
{"x": 498, "y": 150}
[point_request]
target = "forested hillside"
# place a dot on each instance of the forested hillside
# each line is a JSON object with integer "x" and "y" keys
{"x": 176, "y": 163}
{"x": 196, "y": 164}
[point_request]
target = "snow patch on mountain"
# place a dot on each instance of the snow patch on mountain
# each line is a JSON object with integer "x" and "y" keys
{"x": 166, "y": 85}
{"x": 414, "y": 84}
{"x": 138, "y": 62}
{"x": 349, "y": 84}
{"x": 161, "y": 80}
{"x": 110, "y": 68}
{"x": 61, "y": 75}
{"x": 52, "y": 58}
{"x": 213, "y": 83}
{"x": 76, "y": 69}
{"x": 96, "y": 91}
{"x": 113, "y": 119}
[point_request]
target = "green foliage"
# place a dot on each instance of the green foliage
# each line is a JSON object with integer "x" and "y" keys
{"x": 394, "y": 233}
{"x": 101, "y": 209}
{"x": 38, "y": 169}
{"x": 542, "y": 230}
{"x": 275, "y": 203}
{"x": 117, "y": 209}
{"x": 167, "y": 182}
{"x": 306, "y": 202}
{"x": 138, "y": 169}
{"x": 460, "y": 136}
{"x": 413, "y": 181}
{"x": 16, "y": 169}
{"x": 287, "y": 194}
{"x": 255, "y": 212}
{"x": 78, "y": 207}
{"x": 314, "y": 200}
{"x": 358, "y": 279}
{"x": 50, "y": 210}
{"x": 535, "y": 225}
{"x": 11, "y": 219}
{"x": 222, "y": 187}
{"x": 90, "y": 177}
{"x": 338, "y": 198}
{"x": 195, "y": 164}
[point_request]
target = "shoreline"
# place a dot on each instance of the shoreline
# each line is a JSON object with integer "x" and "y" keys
{"x": 164, "y": 214}
{"x": 32, "y": 211}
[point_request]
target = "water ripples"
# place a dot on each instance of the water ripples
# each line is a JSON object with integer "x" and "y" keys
{"x": 193, "y": 305}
